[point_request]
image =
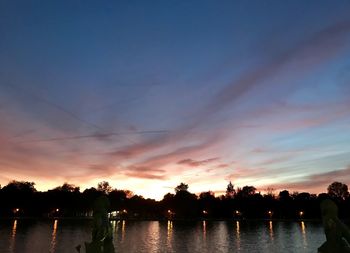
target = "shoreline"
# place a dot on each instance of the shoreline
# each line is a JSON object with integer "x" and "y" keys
{"x": 175, "y": 220}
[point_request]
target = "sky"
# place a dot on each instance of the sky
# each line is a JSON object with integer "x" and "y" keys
{"x": 149, "y": 94}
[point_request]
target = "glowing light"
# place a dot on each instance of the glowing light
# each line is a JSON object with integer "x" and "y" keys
{"x": 57, "y": 210}
{"x": 205, "y": 212}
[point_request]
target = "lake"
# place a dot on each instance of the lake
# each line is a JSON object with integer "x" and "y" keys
{"x": 56, "y": 236}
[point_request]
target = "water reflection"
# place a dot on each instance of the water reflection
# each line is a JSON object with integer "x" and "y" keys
{"x": 204, "y": 225}
{"x": 171, "y": 236}
{"x": 271, "y": 229}
{"x": 117, "y": 226}
{"x": 238, "y": 235}
{"x": 113, "y": 223}
{"x": 169, "y": 232}
{"x": 152, "y": 237}
{"x": 302, "y": 224}
{"x": 303, "y": 232}
{"x": 123, "y": 230}
{"x": 13, "y": 236}
{"x": 53, "y": 239}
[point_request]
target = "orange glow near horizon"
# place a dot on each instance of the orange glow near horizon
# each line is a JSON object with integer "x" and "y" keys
{"x": 150, "y": 189}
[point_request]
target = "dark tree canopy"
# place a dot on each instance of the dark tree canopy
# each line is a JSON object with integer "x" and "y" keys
{"x": 67, "y": 188}
{"x": 21, "y": 199}
{"x": 104, "y": 187}
{"x": 338, "y": 190}
{"x": 284, "y": 195}
{"x": 181, "y": 188}
{"x": 246, "y": 191}
{"x": 22, "y": 186}
{"x": 230, "y": 190}
{"x": 207, "y": 195}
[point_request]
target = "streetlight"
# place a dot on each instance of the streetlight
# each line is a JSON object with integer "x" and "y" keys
{"x": 205, "y": 212}
{"x": 301, "y": 213}
{"x": 270, "y": 213}
{"x": 170, "y": 214}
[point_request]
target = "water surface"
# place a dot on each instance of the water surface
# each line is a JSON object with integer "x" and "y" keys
{"x": 58, "y": 236}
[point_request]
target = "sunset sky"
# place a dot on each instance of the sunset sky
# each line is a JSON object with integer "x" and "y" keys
{"x": 148, "y": 94}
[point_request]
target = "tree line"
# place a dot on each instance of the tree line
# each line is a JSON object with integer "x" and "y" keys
{"x": 21, "y": 199}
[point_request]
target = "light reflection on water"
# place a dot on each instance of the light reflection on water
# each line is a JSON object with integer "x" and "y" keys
{"x": 123, "y": 230}
{"x": 53, "y": 240}
{"x": 59, "y": 236}
{"x": 169, "y": 232}
{"x": 303, "y": 232}
{"x": 238, "y": 236}
{"x": 271, "y": 230}
{"x": 13, "y": 236}
{"x": 204, "y": 224}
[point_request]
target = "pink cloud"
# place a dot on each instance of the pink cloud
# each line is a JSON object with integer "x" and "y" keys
{"x": 195, "y": 163}
{"x": 316, "y": 182}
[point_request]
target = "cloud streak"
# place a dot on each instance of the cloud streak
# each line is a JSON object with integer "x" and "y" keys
{"x": 194, "y": 163}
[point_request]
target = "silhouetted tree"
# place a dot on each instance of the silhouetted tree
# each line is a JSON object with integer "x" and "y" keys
{"x": 21, "y": 198}
{"x": 181, "y": 187}
{"x": 230, "y": 190}
{"x": 118, "y": 199}
{"x": 67, "y": 188}
{"x": 104, "y": 187}
{"x": 208, "y": 203}
{"x": 270, "y": 192}
{"x": 185, "y": 203}
{"x": 89, "y": 195}
{"x": 246, "y": 191}
{"x": 20, "y": 186}
{"x": 338, "y": 190}
{"x": 17, "y": 194}
{"x": 284, "y": 195}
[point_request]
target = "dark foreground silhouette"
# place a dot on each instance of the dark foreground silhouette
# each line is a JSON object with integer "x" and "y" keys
{"x": 337, "y": 233}
{"x": 102, "y": 237}
{"x": 21, "y": 199}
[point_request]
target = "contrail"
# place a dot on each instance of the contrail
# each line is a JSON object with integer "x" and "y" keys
{"x": 102, "y": 135}
{"x": 76, "y": 117}
{"x": 52, "y": 104}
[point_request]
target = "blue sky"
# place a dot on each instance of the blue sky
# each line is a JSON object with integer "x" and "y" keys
{"x": 148, "y": 94}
